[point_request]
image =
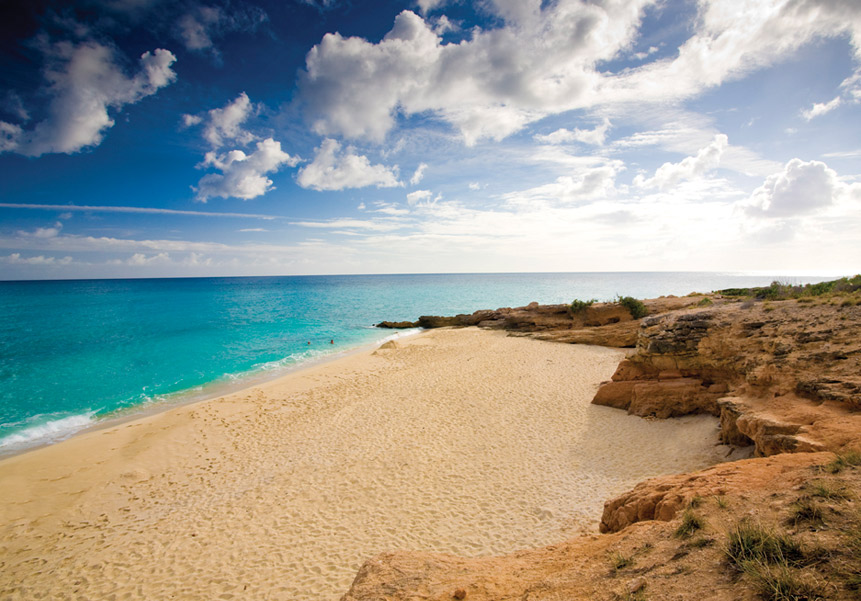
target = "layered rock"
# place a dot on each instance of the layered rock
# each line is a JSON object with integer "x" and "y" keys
{"x": 780, "y": 376}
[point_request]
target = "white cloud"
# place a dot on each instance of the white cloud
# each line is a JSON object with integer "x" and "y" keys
{"x": 594, "y": 136}
{"x": 645, "y": 54}
{"x": 669, "y": 174}
{"x": 801, "y": 188}
{"x": 587, "y": 185}
{"x": 547, "y": 58}
{"x": 17, "y": 259}
{"x": 224, "y": 124}
{"x": 380, "y": 226}
{"x": 139, "y": 259}
{"x": 426, "y": 6}
{"x": 332, "y": 169}
{"x": 474, "y": 186}
{"x": 84, "y": 81}
{"x": 194, "y": 27}
{"x": 198, "y": 27}
{"x": 820, "y": 108}
{"x": 419, "y": 174}
{"x": 253, "y": 229}
{"x": 242, "y": 176}
{"x": 191, "y": 120}
{"x": 414, "y": 198}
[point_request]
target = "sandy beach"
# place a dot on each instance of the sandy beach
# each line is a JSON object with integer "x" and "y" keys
{"x": 459, "y": 441}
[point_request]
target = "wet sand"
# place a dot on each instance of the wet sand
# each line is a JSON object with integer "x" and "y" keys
{"x": 459, "y": 441}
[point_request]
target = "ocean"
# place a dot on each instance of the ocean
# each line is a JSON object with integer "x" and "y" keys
{"x": 74, "y": 353}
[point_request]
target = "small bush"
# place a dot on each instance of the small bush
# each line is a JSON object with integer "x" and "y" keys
{"x": 705, "y": 302}
{"x": 636, "y": 308}
{"x": 691, "y": 522}
{"x": 578, "y": 305}
{"x": 722, "y": 502}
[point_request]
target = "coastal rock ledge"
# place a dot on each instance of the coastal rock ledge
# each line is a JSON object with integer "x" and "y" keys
{"x": 783, "y": 376}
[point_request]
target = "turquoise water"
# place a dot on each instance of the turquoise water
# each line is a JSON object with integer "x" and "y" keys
{"x": 74, "y": 352}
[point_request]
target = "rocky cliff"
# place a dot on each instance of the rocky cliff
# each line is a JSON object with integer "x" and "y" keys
{"x": 783, "y": 376}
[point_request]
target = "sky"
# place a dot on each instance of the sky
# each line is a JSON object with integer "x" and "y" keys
{"x": 161, "y": 138}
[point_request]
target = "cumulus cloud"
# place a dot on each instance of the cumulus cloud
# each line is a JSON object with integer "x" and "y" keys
{"x": 333, "y": 169}
{"x": 801, "y": 188}
{"x": 595, "y": 136}
{"x": 224, "y": 124}
{"x": 820, "y": 108}
{"x": 546, "y": 58}
{"x": 241, "y": 175}
{"x": 670, "y": 174}
{"x": 84, "y": 81}
{"x": 419, "y": 174}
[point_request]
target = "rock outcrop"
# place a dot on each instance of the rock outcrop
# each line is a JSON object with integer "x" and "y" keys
{"x": 604, "y": 324}
{"x": 783, "y": 376}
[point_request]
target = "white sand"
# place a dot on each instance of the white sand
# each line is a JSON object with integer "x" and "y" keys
{"x": 459, "y": 441}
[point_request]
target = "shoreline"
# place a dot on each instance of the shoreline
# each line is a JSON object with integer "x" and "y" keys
{"x": 456, "y": 441}
{"x": 224, "y": 385}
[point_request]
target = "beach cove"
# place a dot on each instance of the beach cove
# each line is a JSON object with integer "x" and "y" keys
{"x": 461, "y": 441}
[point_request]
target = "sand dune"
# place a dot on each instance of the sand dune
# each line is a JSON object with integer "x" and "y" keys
{"x": 460, "y": 441}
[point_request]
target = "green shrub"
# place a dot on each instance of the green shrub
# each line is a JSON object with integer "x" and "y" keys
{"x": 705, "y": 302}
{"x": 636, "y": 308}
{"x": 578, "y": 305}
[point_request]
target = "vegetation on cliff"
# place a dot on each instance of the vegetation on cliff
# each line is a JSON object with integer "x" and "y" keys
{"x": 783, "y": 291}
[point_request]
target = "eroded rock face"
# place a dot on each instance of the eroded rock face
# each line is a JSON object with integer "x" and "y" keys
{"x": 757, "y": 367}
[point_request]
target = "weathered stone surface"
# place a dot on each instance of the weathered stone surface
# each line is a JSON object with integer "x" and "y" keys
{"x": 755, "y": 355}
{"x": 662, "y": 498}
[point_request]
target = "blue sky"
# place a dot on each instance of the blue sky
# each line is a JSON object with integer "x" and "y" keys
{"x": 145, "y": 138}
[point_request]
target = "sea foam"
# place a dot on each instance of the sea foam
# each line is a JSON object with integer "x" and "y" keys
{"x": 44, "y": 432}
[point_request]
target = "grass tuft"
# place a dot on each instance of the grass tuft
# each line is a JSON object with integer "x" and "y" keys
{"x": 691, "y": 523}
{"x": 722, "y": 502}
{"x": 806, "y": 510}
{"x": 620, "y": 562}
{"x": 750, "y": 541}
{"x": 849, "y": 459}
{"x": 832, "y": 491}
{"x": 780, "y": 583}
